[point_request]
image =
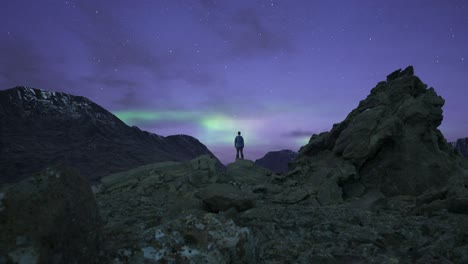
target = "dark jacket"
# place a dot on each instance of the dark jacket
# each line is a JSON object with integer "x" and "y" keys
{"x": 239, "y": 142}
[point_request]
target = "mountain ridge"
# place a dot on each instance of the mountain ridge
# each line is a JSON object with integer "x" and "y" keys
{"x": 277, "y": 161}
{"x": 39, "y": 128}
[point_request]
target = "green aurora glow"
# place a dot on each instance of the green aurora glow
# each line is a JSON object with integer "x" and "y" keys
{"x": 213, "y": 129}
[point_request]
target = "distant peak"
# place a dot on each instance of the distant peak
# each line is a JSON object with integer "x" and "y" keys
{"x": 33, "y": 101}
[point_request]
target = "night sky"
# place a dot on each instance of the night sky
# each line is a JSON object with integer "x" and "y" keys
{"x": 278, "y": 71}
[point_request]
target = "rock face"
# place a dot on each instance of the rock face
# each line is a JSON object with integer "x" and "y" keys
{"x": 461, "y": 145}
{"x": 277, "y": 161}
{"x": 390, "y": 142}
{"x": 50, "y": 218}
{"x": 40, "y": 128}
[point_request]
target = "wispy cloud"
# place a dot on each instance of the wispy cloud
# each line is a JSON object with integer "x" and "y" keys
{"x": 298, "y": 133}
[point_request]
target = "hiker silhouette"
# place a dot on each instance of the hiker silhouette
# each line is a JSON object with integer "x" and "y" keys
{"x": 239, "y": 144}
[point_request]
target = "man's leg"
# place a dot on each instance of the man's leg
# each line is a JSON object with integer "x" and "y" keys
{"x": 237, "y": 155}
{"x": 242, "y": 153}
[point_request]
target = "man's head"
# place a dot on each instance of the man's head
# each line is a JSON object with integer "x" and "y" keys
{"x": 238, "y": 133}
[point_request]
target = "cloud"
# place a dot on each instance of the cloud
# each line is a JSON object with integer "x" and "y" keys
{"x": 114, "y": 44}
{"x": 298, "y": 134}
{"x": 253, "y": 36}
{"x": 122, "y": 57}
{"x": 244, "y": 30}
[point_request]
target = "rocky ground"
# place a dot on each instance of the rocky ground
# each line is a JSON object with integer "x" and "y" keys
{"x": 383, "y": 186}
{"x": 270, "y": 218}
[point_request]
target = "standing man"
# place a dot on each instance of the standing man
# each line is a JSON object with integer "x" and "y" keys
{"x": 239, "y": 144}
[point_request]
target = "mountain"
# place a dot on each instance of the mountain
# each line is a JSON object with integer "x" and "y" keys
{"x": 40, "y": 128}
{"x": 461, "y": 145}
{"x": 277, "y": 161}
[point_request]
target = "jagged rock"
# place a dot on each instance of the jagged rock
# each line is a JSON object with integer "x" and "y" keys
{"x": 50, "y": 218}
{"x": 222, "y": 197}
{"x": 277, "y": 161}
{"x": 40, "y": 128}
{"x": 391, "y": 140}
{"x": 318, "y": 143}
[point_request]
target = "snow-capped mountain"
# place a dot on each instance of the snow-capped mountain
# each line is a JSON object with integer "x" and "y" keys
{"x": 39, "y": 128}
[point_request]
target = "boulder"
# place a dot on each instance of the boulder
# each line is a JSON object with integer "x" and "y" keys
{"x": 222, "y": 197}
{"x": 50, "y": 218}
{"x": 204, "y": 170}
{"x": 247, "y": 172}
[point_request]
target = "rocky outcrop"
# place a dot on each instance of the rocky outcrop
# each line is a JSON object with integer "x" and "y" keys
{"x": 461, "y": 145}
{"x": 277, "y": 161}
{"x": 40, "y": 128}
{"x": 50, "y": 218}
{"x": 390, "y": 142}
{"x": 164, "y": 212}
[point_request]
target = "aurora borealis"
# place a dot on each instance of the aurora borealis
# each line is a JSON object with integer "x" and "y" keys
{"x": 275, "y": 70}
{"x": 213, "y": 129}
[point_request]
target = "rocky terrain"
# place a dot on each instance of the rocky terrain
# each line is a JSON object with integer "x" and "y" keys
{"x": 51, "y": 217}
{"x": 461, "y": 145}
{"x": 40, "y": 128}
{"x": 277, "y": 161}
{"x": 383, "y": 186}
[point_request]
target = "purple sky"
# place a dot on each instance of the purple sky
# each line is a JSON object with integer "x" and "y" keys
{"x": 276, "y": 70}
